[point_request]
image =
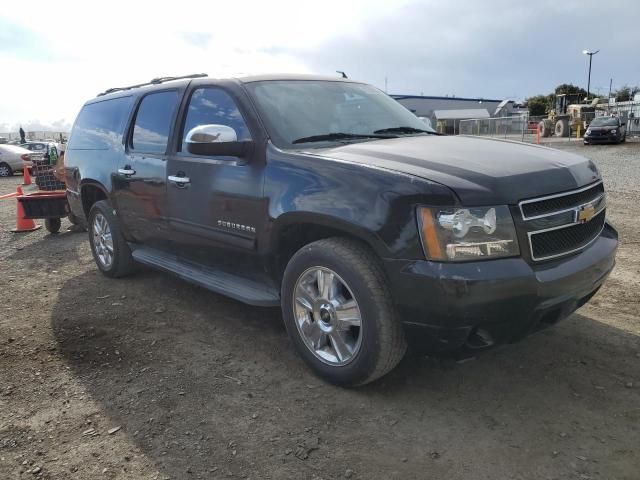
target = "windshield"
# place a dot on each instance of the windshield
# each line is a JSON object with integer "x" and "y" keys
{"x": 317, "y": 112}
{"x": 605, "y": 122}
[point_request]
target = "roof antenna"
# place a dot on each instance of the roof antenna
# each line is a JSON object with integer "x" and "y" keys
{"x": 344, "y": 75}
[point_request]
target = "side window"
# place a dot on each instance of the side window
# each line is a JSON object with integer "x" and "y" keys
{"x": 153, "y": 122}
{"x": 212, "y": 106}
{"x": 99, "y": 125}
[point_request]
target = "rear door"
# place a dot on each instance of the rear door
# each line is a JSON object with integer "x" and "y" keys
{"x": 140, "y": 179}
{"x": 215, "y": 216}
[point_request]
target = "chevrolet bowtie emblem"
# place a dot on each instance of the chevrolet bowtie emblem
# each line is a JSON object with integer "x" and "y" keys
{"x": 586, "y": 213}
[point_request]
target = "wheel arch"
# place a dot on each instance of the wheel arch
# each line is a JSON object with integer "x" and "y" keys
{"x": 294, "y": 230}
{"x": 90, "y": 193}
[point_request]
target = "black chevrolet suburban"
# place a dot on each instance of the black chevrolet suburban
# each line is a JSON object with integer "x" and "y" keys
{"x": 329, "y": 199}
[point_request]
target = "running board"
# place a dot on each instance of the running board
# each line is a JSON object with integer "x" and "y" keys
{"x": 242, "y": 289}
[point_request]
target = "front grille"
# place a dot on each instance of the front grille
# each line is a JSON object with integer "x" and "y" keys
{"x": 557, "y": 203}
{"x": 564, "y": 223}
{"x": 566, "y": 240}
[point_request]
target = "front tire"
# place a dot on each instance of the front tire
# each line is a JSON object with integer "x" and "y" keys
{"x": 5, "y": 170}
{"x": 110, "y": 250}
{"x": 562, "y": 128}
{"x": 339, "y": 314}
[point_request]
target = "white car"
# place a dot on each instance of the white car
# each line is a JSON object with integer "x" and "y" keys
{"x": 13, "y": 159}
{"x": 42, "y": 148}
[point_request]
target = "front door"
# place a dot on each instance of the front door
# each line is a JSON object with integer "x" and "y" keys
{"x": 215, "y": 203}
{"x": 140, "y": 181}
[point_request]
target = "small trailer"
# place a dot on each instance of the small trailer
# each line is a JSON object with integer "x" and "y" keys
{"x": 49, "y": 201}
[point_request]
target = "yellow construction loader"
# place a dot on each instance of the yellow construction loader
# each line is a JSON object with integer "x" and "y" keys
{"x": 569, "y": 114}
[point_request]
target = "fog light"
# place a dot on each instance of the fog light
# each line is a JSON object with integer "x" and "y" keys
{"x": 457, "y": 251}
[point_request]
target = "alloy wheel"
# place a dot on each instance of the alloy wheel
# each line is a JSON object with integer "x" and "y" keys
{"x": 102, "y": 240}
{"x": 327, "y": 316}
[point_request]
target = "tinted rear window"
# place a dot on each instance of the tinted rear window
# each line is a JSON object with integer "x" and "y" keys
{"x": 153, "y": 122}
{"x": 99, "y": 126}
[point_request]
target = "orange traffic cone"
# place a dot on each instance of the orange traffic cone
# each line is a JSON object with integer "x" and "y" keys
{"x": 23, "y": 224}
{"x": 27, "y": 176}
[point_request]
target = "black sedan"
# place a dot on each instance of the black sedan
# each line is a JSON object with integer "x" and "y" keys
{"x": 606, "y": 130}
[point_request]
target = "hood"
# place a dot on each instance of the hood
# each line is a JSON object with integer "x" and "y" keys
{"x": 480, "y": 171}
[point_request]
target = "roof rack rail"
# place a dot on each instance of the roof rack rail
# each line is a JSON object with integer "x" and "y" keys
{"x": 154, "y": 81}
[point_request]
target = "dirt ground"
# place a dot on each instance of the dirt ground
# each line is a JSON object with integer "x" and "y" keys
{"x": 149, "y": 377}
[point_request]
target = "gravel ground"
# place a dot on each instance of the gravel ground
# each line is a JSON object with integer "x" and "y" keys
{"x": 149, "y": 377}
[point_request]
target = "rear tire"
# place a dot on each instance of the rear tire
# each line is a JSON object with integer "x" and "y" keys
{"x": 545, "y": 128}
{"x": 542, "y": 129}
{"x": 562, "y": 128}
{"x": 110, "y": 250}
{"x": 52, "y": 224}
{"x": 364, "y": 314}
{"x": 5, "y": 170}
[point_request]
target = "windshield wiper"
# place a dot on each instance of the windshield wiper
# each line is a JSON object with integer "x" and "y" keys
{"x": 339, "y": 136}
{"x": 405, "y": 130}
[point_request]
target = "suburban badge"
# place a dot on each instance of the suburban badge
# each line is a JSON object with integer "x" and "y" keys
{"x": 236, "y": 226}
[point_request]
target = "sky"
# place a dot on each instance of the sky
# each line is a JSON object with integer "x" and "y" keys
{"x": 55, "y": 60}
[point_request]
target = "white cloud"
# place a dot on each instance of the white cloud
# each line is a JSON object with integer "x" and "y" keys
{"x": 88, "y": 47}
{"x": 498, "y": 48}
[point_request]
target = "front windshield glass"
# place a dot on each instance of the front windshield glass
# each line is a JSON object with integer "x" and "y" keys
{"x": 605, "y": 122}
{"x": 298, "y": 111}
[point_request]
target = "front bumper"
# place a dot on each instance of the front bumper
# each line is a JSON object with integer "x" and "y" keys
{"x": 613, "y": 138}
{"x": 447, "y": 306}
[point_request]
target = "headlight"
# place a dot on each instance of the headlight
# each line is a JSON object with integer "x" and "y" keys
{"x": 614, "y": 131}
{"x": 588, "y": 131}
{"x": 459, "y": 234}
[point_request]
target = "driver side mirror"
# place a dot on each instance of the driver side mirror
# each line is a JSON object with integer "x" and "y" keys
{"x": 217, "y": 140}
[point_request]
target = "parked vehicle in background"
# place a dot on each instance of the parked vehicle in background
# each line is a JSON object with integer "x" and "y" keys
{"x": 331, "y": 200}
{"x": 44, "y": 148}
{"x": 606, "y": 130}
{"x": 427, "y": 122}
{"x": 13, "y": 159}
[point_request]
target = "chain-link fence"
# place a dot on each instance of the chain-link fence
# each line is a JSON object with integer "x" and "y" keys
{"x": 531, "y": 129}
{"x": 630, "y": 113}
{"x": 524, "y": 128}
{"x": 516, "y": 127}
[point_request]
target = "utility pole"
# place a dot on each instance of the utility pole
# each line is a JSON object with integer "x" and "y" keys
{"x": 385, "y": 85}
{"x": 609, "y": 99}
{"x": 591, "y": 54}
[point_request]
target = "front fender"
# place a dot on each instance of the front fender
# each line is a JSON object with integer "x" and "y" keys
{"x": 373, "y": 204}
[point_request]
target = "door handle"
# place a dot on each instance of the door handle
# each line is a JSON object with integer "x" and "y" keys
{"x": 180, "y": 181}
{"x": 126, "y": 171}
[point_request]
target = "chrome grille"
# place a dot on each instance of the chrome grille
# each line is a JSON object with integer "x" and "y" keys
{"x": 566, "y": 240}
{"x": 557, "y": 203}
{"x": 564, "y": 223}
